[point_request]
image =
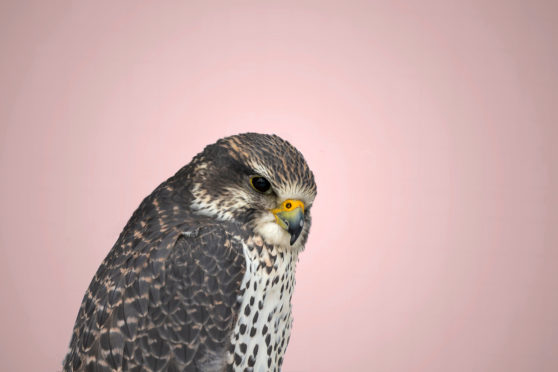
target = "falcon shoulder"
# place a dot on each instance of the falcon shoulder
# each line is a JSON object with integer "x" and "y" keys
{"x": 169, "y": 303}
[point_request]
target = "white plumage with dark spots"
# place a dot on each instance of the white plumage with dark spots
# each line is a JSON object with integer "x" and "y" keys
{"x": 262, "y": 332}
{"x": 201, "y": 277}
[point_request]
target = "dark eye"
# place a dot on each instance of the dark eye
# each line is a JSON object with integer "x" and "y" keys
{"x": 260, "y": 184}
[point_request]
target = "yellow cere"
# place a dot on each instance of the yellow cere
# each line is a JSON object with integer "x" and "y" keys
{"x": 289, "y": 205}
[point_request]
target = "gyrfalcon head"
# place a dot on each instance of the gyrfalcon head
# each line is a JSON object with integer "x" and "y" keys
{"x": 256, "y": 179}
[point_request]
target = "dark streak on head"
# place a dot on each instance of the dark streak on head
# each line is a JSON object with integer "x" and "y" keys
{"x": 273, "y": 152}
{"x": 227, "y": 165}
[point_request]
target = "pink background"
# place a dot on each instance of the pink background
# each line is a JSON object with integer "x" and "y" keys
{"x": 431, "y": 128}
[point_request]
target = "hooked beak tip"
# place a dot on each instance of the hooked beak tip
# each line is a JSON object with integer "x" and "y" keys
{"x": 296, "y": 228}
{"x": 293, "y": 239}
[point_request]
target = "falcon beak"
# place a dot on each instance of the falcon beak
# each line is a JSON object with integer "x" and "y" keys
{"x": 290, "y": 216}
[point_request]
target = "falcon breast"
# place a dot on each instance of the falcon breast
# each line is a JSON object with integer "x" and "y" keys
{"x": 202, "y": 275}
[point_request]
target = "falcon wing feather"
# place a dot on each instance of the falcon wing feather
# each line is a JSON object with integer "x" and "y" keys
{"x": 167, "y": 304}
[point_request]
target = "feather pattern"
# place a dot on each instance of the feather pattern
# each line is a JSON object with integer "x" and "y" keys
{"x": 191, "y": 284}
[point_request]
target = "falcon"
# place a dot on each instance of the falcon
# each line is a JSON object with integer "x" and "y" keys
{"x": 201, "y": 277}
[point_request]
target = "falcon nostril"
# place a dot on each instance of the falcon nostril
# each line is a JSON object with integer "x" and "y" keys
{"x": 288, "y": 205}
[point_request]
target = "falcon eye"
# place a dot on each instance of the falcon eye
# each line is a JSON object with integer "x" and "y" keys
{"x": 260, "y": 184}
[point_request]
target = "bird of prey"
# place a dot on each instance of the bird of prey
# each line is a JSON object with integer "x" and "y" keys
{"x": 202, "y": 275}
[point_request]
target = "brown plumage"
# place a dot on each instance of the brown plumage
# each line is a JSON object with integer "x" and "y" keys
{"x": 201, "y": 277}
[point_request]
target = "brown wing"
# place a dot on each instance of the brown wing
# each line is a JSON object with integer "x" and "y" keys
{"x": 168, "y": 304}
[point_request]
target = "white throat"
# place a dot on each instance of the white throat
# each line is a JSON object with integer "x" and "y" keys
{"x": 263, "y": 328}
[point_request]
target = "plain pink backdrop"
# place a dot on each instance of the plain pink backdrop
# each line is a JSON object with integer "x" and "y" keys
{"x": 431, "y": 128}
